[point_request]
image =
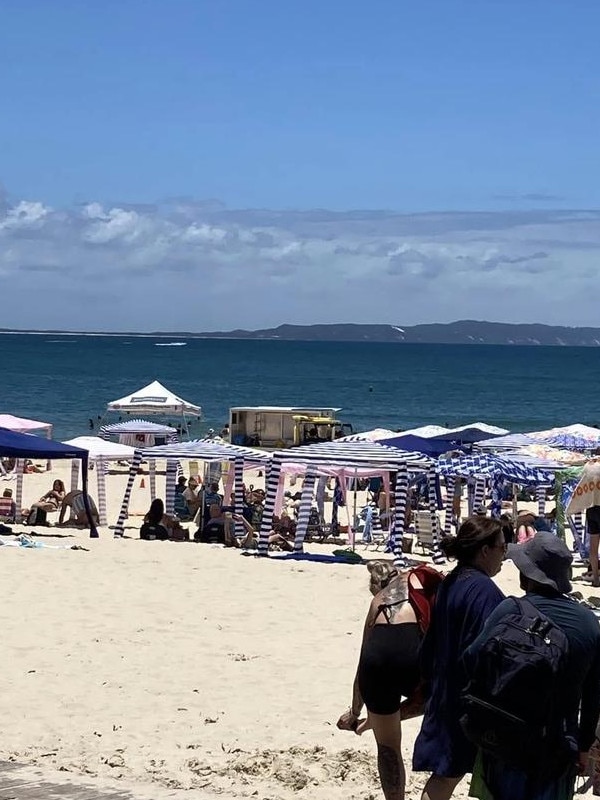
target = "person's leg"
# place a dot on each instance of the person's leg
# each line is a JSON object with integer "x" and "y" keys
{"x": 388, "y": 735}
{"x": 440, "y": 788}
{"x": 594, "y": 541}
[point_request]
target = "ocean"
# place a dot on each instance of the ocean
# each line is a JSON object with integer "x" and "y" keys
{"x": 66, "y": 380}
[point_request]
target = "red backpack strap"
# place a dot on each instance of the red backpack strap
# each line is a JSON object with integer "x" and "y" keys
{"x": 423, "y": 583}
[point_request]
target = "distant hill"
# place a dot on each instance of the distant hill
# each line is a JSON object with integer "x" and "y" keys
{"x": 461, "y": 332}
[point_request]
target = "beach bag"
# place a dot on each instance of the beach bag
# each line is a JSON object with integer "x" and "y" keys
{"x": 512, "y": 704}
{"x": 152, "y": 532}
{"x": 37, "y": 516}
{"x": 423, "y": 582}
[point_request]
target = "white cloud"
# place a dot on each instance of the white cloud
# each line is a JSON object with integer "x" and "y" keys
{"x": 199, "y": 266}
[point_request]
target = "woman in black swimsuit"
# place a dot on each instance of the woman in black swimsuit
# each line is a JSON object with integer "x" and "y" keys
{"x": 388, "y": 670}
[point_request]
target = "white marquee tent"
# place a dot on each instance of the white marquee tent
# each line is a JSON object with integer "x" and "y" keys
{"x": 155, "y": 399}
{"x": 100, "y": 452}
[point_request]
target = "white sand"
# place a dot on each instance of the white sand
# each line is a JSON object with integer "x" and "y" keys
{"x": 189, "y": 666}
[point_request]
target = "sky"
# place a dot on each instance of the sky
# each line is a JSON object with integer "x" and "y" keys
{"x": 202, "y": 165}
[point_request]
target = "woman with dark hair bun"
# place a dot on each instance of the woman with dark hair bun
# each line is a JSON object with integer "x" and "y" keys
{"x": 464, "y": 601}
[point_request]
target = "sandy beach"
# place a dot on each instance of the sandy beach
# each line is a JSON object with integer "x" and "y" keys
{"x": 185, "y": 670}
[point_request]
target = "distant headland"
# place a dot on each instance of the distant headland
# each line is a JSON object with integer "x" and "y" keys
{"x": 460, "y": 332}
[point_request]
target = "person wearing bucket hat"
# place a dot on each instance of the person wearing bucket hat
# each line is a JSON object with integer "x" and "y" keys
{"x": 545, "y": 560}
{"x": 544, "y": 565}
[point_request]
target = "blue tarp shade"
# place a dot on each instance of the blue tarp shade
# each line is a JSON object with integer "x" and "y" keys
{"x": 24, "y": 445}
{"x": 418, "y": 444}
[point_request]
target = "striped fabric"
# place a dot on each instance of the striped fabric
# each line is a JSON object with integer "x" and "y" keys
{"x": 135, "y": 464}
{"x": 437, "y": 555}
{"x": 101, "y": 484}
{"x": 238, "y": 471}
{"x": 449, "y": 512}
{"x": 74, "y": 474}
{"x": 306, "y": 502}
{"x": 152, "y": 477}
{"x": 496, "y": 492}
{"x": 479, "y": 496}
{"x": 397, "y": 532}
{"x": 487, "y": 464}
{"x": 354, "y": 454}
{"x": 208, "y": 450}
{"x": 19, "y": 467}
{"x": 271, "y": 485}
{"x": 540, "y": 496}
{"x": 136, "y": 426}
{"x": 170, "y": 486}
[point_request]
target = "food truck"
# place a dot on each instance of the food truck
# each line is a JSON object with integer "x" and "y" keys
{"x": 277, "y": 427}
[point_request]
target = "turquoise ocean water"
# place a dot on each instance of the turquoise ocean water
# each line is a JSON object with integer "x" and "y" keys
{"x": 67, "y": 379}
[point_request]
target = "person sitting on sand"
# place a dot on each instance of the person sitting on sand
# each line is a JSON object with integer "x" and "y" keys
{"x": 388, "y": 669}
{"x": 78, "y": 517}
{"x": 168, "y": 527}
{"x": 192, "y": 497}
{"x": 52, "y": 500}
{"x": 8, "y": 507}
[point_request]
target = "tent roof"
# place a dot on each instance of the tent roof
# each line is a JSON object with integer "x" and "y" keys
{"x": 350, "y": 454}
{"x": 515, "y": 469}
{"x": 153, "y": 399}
{"x": 137, "y": 426}
{"x": 474, "y": 432}
{"x": 101, "y": 448}
{"x": 575, "y": 437}
{"x": 22, "y": 425}
{"x": 425, "y": 431}
{"x": 207, "y": 450}
{"x": 368, "y": 436}
{"x": 25, "y": 445}
{"x": 510, "y": 442}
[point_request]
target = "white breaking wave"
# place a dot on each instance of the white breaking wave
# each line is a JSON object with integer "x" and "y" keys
{"x": 170, "y": 344}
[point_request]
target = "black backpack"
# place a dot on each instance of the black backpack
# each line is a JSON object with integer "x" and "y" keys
{"x": 512, "y": 704}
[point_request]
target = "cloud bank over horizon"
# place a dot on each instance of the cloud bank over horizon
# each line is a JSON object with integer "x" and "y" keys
{"x": 189, "y": 265}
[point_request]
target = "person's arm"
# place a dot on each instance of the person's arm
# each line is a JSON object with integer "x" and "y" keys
{"x": 350, "y": 719}
{"x": 247, "y": 527}
{"x": 590, "y": 704}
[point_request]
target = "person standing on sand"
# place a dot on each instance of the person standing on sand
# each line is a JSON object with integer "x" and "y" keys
{"x": 464, "y": 601}
{"x": 388, "y": 669}
{"x": 544, "y": 565}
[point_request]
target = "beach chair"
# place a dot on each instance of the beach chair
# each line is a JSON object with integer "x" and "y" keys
{"x": 424, "y": 531}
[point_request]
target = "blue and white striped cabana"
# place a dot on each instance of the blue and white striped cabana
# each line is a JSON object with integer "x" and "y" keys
{"x": 138, "y": 427}
{"x": 206, "y": 450}
{"x": 344, "y": 459}
{"x": 496, "y": 469}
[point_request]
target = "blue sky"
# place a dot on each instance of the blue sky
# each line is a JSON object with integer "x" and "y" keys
{"x": 176, "y": 111}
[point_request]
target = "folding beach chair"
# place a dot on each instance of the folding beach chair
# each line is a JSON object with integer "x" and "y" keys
{"x": 424, "y": 530}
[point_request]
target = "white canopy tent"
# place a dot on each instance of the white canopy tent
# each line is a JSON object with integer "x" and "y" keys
{"x": 206, "y": 450}
{"x": 155, "y": 399}
{"x": 100, "y": 452}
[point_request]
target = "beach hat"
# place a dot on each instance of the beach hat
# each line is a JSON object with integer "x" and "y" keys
{"x": 544, "y": 559}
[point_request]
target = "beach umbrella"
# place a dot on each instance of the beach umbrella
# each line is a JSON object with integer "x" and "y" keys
{"x": 570, "y": 437}
{"x": 587, "y": 491}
